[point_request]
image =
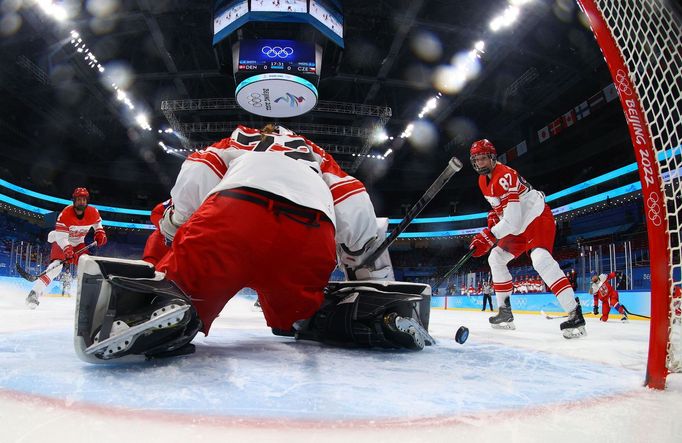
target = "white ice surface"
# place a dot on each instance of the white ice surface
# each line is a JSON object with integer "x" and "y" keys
{"x": 243, "y": 382}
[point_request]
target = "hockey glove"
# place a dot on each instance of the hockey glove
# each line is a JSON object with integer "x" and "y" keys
{"x": 483, "y": 242}
{"x": 68, "y": 253}
{"x": 167, "y": 226}
{"x": 100, "y": 238}
{"x": 595, "y": 310}
{"x": 493, "y": 219}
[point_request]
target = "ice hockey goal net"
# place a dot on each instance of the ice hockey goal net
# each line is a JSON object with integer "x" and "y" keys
{"x": 642, "y": 43}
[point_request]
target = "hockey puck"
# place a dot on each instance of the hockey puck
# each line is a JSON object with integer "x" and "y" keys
{"x": 462, "y": 334}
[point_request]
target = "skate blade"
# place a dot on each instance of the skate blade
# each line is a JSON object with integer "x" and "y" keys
{"x": 510, "y": 326}
{"x": 420, "y": 336}
{"x": 572, "y": 333}
{"x": 406, "y": 326}
{"x": 118, "y": 342}
{"x": 32, "y": 306}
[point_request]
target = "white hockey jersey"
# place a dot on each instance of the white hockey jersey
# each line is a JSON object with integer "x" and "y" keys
{"x": 290, "y": 166}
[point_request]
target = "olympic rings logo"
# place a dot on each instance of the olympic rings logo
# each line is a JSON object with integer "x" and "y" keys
{"x": 277, "y": 51}
{"x": 623, "y": 82}
{"x": 255, "y": 100}
{"x": 654, "y": 209}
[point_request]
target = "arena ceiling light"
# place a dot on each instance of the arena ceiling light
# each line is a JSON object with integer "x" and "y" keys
{"x": 429, "y": 106}
{"x": 53, "y": 10}
{"x": 465, "y": 65}
{"x": 143, "y": 121}
{"x": 408, "y": 131}
{"x": 479, "y": 47}
{"x": 58, "y": 13}
{"x": 506, "y": 19}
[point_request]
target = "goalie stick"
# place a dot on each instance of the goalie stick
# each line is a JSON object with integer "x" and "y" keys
{"x": 453, "y": 167}
{"x": 30, "y": 277}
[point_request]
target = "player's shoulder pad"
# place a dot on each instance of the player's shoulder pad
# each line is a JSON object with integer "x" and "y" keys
{"x": 91, "y": 214}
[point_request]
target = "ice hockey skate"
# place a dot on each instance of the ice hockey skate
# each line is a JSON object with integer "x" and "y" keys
{"x": 406, "y": 331}
{"x": 32, "y": 300}
{"x": 123, "y": 335}
{"x": 504, "y": 318}
{"x": 125, "y": 310}
{"x": 574, "y": 327}
{"x": 383, "y": 314}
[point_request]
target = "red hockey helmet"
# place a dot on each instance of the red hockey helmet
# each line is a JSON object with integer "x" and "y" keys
{"x": 482, "y": 147}
{"x": 80, "y": 192}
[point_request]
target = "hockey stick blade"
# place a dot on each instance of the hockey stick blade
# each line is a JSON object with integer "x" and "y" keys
{"x": 25, "y": 275}
{"x": 636, "y": 315}
{"x": 551, "y": 317}
{"x": 30, "y": 277}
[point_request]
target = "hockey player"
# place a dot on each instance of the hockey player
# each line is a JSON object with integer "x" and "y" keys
{"x": 68, "y": 239}
{"x": 270, "y": 210}
{"x": 155, "y": 247}
{"x": 525, "y": 224}
{"x": 602, "y": 290}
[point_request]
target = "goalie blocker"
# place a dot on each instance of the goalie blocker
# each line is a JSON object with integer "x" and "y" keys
{"x": 126, "y": 310}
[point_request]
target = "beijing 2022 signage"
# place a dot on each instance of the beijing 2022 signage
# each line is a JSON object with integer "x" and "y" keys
{"x": 276, "y": 95}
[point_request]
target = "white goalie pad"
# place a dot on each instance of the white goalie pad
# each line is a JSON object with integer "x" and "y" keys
{"x": 92, "y": 300}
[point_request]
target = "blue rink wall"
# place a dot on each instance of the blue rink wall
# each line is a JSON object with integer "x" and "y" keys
{"x": 55, "y": 287}
{"x": 635, "y": 301}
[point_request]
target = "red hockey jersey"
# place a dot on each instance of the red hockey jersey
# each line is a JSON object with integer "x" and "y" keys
{"x": 602, "y": 290}
{"x": 71, "y": 229}
{"x": 514, "y": 201}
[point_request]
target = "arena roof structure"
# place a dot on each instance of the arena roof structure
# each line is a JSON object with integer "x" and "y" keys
{"x": 539, "y": 89}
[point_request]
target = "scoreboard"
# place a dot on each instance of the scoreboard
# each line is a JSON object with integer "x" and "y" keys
{"x": 284, "y": 56}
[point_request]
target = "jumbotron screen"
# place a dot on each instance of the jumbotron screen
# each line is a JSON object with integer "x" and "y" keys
{"x": 285, "y": 56}
{"x": 324, "y": 15}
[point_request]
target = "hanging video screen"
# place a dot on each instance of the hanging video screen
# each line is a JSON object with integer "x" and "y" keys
{"x": 279, "y": 5}
{"x": 287, "y": 56}
{"x": 227, "y": 12}
{"x": 328, "y": 15}
{"x": 324, "y": 15}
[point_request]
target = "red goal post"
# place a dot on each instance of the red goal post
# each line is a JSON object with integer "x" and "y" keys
{"x": 642, "y": 43}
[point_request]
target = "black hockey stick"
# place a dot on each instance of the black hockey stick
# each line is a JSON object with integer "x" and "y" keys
{"x": 632, "y": 313}
{"x": 465, "y": 258}
{"x": 454, "y": 166}
{"x": 30, "y": 277}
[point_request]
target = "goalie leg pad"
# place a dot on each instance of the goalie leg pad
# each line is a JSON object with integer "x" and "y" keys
{"x": 372, "y": 314}
{"x": 119, "y": 307}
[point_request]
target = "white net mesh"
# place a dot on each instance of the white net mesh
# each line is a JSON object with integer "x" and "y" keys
{"x": 649, "y": 37}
